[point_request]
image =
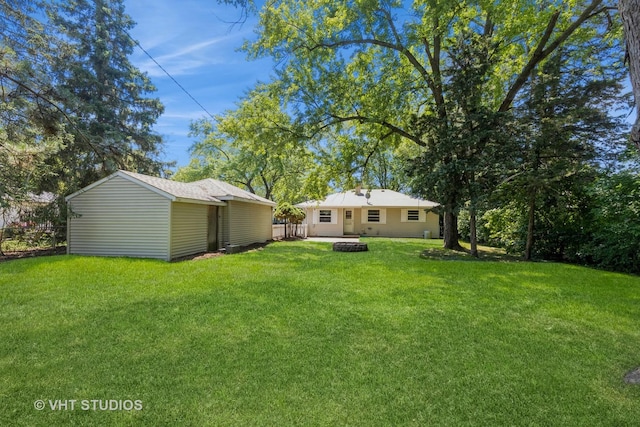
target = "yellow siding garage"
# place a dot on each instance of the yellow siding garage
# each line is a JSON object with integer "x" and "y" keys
{"x": 119, "y": 218}
{"x": 247, "y": 223}
{"x": 189, "y": 224}
{"x": 130, "y": 214}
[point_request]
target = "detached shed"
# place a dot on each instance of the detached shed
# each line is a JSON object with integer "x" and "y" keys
{"x": 130, "y": 214}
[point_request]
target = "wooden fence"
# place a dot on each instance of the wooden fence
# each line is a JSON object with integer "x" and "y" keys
{"x": 293, "y": 230}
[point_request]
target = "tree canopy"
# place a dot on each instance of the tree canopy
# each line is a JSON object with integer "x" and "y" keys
{"x": 72, "y": 102}
{"x": 254, "y": 146}
{"x": 387, "y": 67}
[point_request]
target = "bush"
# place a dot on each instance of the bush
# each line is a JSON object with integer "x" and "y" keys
{"x": 614, "y": 241}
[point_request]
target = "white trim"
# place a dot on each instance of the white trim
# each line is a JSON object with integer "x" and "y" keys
{"x": 169, "y": 246}
{"x": 334, "y": 216}
{"x": 198, "y": 202}
{"x": 121, "y": 174}
{"x": 246, "y": 200}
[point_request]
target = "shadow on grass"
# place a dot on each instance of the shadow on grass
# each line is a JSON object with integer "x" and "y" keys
{"x": 484, "y": 254}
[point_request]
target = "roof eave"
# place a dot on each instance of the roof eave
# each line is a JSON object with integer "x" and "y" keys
{"x": 372, "y": 205}
{"x": 122, "y": 175}
{"x": 199, "y": 201}
{"x": 242, "y": 199}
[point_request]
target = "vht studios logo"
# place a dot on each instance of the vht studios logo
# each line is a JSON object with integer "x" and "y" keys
{"x": 88, "y": 405}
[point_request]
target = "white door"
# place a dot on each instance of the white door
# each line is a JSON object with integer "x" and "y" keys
{"x": 348, "y": 221}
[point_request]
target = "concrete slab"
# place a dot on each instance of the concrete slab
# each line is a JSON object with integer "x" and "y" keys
{"x": 334, "y": 239}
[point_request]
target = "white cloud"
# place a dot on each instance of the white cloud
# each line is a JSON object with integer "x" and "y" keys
{"x": 195, "y": 42}
{"x": 196, "y": 47}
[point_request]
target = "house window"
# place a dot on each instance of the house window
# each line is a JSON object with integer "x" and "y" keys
{"x": 325, "y": 216}
{"x": 348, "y": 214}
{"x": 413, "y": 215}
{"x": 374, "y": 216}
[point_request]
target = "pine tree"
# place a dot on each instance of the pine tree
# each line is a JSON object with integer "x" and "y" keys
{"x": 567, "y": 133}
{"x": 105, "y": 95}
{"x": 32, "y": 126}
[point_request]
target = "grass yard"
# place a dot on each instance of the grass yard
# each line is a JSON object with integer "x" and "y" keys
{"x": 295, "y": 334}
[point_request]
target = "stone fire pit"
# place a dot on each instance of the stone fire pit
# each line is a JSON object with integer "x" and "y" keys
{"x": 350, "y": 247}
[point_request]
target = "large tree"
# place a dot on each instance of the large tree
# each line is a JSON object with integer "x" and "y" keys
{"x": 253, "y": 146}
{"x": 568, "y": 132}
{"x": 381, "y": 64}
{"x": 33, "y": 125}
{"x": 465, "y": 151}
{"x": 106, "y": 97}
{"x": 630, "y": 14}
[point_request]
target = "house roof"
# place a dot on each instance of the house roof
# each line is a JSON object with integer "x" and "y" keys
{"x": 379, "y": 198}
{"x": 207, "y": 191}
{"x": 225, "y": 191}
{"x": 179, "y": 190}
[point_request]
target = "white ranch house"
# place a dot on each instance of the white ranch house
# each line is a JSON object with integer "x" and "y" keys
{"x": 371, "y": 213}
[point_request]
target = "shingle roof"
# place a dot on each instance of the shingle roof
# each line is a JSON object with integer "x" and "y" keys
{"x": 182, "y": 190}
{"x": 226, "y": 191}
{"x": 379, "y": 197}
{"x": 208, "y": 190}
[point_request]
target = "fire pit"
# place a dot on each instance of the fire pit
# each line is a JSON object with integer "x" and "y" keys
{"x": 350, "y": 247}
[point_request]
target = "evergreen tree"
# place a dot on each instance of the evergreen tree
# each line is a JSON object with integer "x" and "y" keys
{"x": 567, "y": 135}
{"x": 105, "y": 95}
{"x": 32, "y": 125}
{"x": 466, "y": 150}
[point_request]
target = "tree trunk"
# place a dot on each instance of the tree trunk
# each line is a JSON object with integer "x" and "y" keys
{"x": 451, "y": 231}
{"x": 530, "y": 228}
{"x": 630, "y": 15}
{"x": 473, "y": 236}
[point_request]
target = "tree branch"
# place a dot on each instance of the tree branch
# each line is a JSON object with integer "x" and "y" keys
{"x": 396, "y": 47}
{"x": 363, "y": 119}
{"x": 542, "y": 51}
{"x": 56, "y": 107}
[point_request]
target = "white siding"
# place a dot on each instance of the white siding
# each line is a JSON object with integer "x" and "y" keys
{"x": 391, "y": 224}
{"x": 119, "y": 218}
{"x": 189, "y": 224}
{"x": 247, "y": 223}
{"x": 396, "y": 227}
{"x": 316, "y": 228}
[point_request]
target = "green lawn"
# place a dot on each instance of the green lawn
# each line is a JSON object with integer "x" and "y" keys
{"x": 295, "y": 334}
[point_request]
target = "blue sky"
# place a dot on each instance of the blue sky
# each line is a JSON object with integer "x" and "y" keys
{"x": 195, "y": 42}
